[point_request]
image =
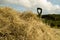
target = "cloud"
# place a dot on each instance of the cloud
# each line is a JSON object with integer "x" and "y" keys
{"x": 33, "y": 4}
{"x": 2, "y": 1}
{"x": 25, "y": 3}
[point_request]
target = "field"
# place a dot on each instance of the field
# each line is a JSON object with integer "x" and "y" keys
{"x": 24, "y": 26}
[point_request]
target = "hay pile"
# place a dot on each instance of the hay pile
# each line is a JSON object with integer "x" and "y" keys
{"x": 24, "y": 26}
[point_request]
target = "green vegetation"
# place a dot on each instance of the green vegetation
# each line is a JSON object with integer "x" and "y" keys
{"x": 52, "y": 19}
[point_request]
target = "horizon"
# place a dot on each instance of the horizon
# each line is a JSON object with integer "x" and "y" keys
{"x": 48, "y": 6}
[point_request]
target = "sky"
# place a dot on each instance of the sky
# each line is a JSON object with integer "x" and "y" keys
{"x": 48, "y": 6}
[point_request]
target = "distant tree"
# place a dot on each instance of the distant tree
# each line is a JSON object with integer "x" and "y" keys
{"x": 58, "y": 26}
{"x": 52, "y": 25}
{"x": 39, "y": 11}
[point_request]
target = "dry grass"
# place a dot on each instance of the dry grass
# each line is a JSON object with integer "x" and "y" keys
{"x": 24, "y": 26}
